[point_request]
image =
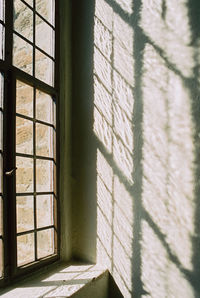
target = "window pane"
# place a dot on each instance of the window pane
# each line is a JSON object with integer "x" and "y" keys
{"x": 1, "y": 171}
{"x": 24, "y": 101}
{"x": 47, "y": 9}
{"x": 44, "y": 175}
{"x": 24, "y": 136}
{"x": 1, "y": 258}
{"x": 1, "y": 89}
{"x": 1, "y": 216}
{"x": 23, "y": 19}
{"x": 24, "y": 174}
{"x": 45, "y": 242}
{"x": 44, "y": 36}
{"x": 44, "y": 211}
{"x": 1, "y": 130}
{"x": 22, "y": 54}
{"x": 2, "y": 10}
{"x": 44, "y": 68}
{"x": 1, "y": 42}
{"x": 44, "y": 107}
{"x": 44, "y": 140}
{"x": 25, "y": 249}
{"x": 25, "y": 215}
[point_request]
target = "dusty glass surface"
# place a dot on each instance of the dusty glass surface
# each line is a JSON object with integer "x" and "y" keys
{"x": 25, "y": 217}
{"x": 44, "y": 107}
{"x": 24, "y": 99}
{"x": 44, "y": 36}
{"x": 25, "y": 249}
{"x": 1, "y": 258}
{"x": 1, "y": 130}
{"x": 44, "y": 140}
{"x": 1, "y": 172}
{"x": 45, "y": 242}
{"x": 1, "y": 216}
{"x": 22, "y": 54}
{"x": 1, "y": 89}
{"x": 2, "y": 4}
{"x": 44, "y": 68}
{"x": 24, "y": 174}
{"x": 44, "y": 211}
{"x": 24, "y": 136}
{"x": 23, "y": 19}
{"x": 44, "y": 175}
{"x": 46, "y": 8}
{"x": 2, "y": 41}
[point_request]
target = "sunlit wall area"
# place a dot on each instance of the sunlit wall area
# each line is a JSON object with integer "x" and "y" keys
{"x": 144, "y": 72}
{"x": 113, "y": 112}
{"x": 168, "y": 181}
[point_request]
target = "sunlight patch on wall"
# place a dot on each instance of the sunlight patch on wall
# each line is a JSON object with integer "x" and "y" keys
{"x": 113, "y": 114}
{"x": 126, "y": 5}
{"x": 168, "y": 194}
{"x": 113, "y": 86}
{"x": 168, "y": 28}
{"x": 161, "y": 277}
{"x": 114, "y": 225}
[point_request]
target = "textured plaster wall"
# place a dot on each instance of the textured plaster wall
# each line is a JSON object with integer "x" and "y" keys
{"x": 135, "y": 142}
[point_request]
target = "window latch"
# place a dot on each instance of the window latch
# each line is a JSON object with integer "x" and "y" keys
{"x": 10, "y": 173}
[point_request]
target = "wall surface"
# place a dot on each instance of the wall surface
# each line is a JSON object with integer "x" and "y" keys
{"x": 136, "y": 129}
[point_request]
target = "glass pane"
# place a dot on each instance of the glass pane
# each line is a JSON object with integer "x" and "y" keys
{"x": 1, "y": 90}
{"x": 1, "y": 130}
{"x": 47, "y": 9}
{"x": 44, "y": 36}
{"x": 1, "y": 171}
{"x": 44, "y": 211}
{"x": 1, "y": 258}
{"x": 22, "y": 54}
{"x": 44, "y": 68}
{"x": 44, "y": 175}
{"x": 24, "y": 174}
{"x": 1, "y": 216}
{"x": 25, "y": 249}
{"x": 24, "y": 136}
{"x": 44, "y": 107}
{"x": 23, "y": 19}
{"x": 24, "y": 101}
{"x": 1, "y": 42}
{"x": 1, "y": 10}
{"x": 44, "y": 140}
{"x": 25, "y": 216}
{"x": 45, "y": 242}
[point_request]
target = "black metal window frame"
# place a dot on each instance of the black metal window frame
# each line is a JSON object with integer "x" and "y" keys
{"x": 11, "y": 74}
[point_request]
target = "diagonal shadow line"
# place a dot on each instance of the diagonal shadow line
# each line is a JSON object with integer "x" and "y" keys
{"x": 187, "y": 273}
{"x": 116, "y": 170}
{"x": 119, "y": 10}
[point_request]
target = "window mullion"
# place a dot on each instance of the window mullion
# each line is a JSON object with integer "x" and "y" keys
{"x": 9, "y": 150}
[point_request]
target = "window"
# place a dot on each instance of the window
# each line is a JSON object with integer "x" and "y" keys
{"x": 28, "y": 133}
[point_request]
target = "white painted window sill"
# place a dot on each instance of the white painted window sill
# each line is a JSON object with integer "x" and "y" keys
{"x": 63, "y": 281}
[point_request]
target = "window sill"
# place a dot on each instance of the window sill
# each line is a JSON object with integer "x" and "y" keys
{"x": 64, "y": 280}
